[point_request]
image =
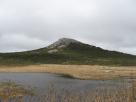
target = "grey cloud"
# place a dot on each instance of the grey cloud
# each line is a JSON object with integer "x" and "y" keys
{"x": 109, "y": 24}
{"x": 16, "y": 42}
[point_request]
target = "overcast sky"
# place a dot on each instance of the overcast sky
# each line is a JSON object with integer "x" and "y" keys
{"x": 30, "y": 24}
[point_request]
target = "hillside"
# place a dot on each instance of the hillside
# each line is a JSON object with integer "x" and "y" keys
{"x": 68, "y": 51}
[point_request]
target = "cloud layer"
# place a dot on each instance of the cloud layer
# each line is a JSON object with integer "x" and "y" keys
{"x": 30, "y": 24}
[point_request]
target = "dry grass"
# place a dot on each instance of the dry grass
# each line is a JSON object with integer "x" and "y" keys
{"x": 77, "y": 71}
{"x": 101, "y": 94}
{"x": 122, "y": 93}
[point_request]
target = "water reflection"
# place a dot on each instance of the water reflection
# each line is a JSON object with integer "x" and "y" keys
{"x": 54, "y": 88}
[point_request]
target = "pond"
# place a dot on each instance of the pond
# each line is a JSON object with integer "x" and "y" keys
{"x": 41, "y": 81}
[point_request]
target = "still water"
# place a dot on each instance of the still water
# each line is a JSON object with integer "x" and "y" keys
{"x": 41, "y": 81}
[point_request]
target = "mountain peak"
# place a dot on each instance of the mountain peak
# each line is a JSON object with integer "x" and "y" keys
{"x": 63, "y": 42}
{"x": 67, "y": 40}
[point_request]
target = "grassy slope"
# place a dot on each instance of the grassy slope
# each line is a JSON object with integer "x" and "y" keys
{"x": 73, "y": 54}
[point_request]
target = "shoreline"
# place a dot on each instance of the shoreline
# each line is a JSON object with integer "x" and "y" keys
{"x": 83, "y": 72}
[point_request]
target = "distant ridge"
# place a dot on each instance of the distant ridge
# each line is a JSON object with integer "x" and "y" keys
{"x": 68, "y": 51}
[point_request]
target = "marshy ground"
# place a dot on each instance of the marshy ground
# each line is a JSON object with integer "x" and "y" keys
{"x": 123, "y": 93}
{"x": 126, "y": 92}
{"x": 77, "y": 71}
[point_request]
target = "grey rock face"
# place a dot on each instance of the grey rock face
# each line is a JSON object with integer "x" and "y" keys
{"x": 63, "y": 42}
